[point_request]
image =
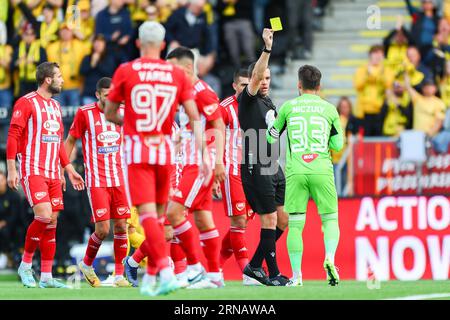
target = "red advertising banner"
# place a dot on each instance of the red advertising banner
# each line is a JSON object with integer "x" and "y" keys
{"x": 404, "y": 238}
{"x": 379, "y": 171}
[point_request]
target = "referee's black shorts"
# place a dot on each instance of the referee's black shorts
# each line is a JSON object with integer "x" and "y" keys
{"x": 264, "y": 193}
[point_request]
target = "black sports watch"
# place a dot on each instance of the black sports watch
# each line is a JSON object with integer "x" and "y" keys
{"x": 266, "y": 50}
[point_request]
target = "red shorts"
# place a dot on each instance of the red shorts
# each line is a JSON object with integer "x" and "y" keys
{"x": 191, "y": 192}
{"x": 149, "y": 183}
{"x": 39, "y": 189}
{"x": 233, "y": 197}
{"x": 108, "y": 203}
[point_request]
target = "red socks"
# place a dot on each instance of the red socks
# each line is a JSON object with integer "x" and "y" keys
{"x": 92, "y": 249}
{"x": 185, "y": 233}
{"x": 237, "y": 240}
{"x": 210, "y": 242}
{"x": 226, "y": 251}
{"x": 47, "y": 246}
{"x": 120, "y": 251}
{"x": 178, "y": 256}
{"x": 154, "y": 236}
{"x": 34, "y": 235}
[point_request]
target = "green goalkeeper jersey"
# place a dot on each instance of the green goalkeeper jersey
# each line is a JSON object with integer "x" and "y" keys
{"x": 313, "y": 128}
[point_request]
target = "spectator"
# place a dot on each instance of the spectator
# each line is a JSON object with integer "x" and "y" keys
{"x": 300, "y": 24}
{"x": 396, "y": 45}
{"x": 137, "y": 11}
{"x": 47, "y": 30}
{"x": 371, "y": 82}
{"x": 27, "y": 56}
{"x": 428, "y": 110}
{"x": 236, "y": 16}
{"x": 436, "y": 57}
{"x": 417, "y": 71}
{"x": 114, "y": 22}
{"x": 6, "y": 96}
{"x": 94, "y": 66}
{"x": 152, "y": 13}
{"x": 425, "y": 24}
{"x": 68, "y": 53}
{"x": 397, "y": 111}
{"x": 85, "y": 30}
{"x": 10, "y": 212}
{"x": 188, "y": 27}
{"x": 444, "y": 85}
{"x": 165, "y": 8}
{"x": 259, "y": 14}
{"x": 348, "y": 123}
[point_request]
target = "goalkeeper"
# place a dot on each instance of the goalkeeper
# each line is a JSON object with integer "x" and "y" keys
{"x": 313, "y": 128}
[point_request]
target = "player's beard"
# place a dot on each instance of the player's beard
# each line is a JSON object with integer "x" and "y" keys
{"x": 53, "y": 89}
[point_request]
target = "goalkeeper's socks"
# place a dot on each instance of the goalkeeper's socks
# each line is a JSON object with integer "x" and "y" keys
{"x": 295, "y": 240}
{"x": 330, "y": 228}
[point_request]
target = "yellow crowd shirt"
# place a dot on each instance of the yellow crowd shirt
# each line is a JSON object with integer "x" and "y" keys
{"x": 69, "y": 56}
{"x": 371, "y": 89}
{"x": 427, "y": 110}
{"x": 395, "y": 122}
{"x": 5, "y": 56}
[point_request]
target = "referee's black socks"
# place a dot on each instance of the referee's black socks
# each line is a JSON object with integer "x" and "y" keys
{"x": 266, "y": 250}
{"x": 278, "y": 233}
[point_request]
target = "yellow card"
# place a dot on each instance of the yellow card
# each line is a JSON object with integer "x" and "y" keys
{"x": 275, "y": 24}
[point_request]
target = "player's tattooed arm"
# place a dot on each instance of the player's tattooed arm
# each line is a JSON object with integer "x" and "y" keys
{"x": 112, "y": 114}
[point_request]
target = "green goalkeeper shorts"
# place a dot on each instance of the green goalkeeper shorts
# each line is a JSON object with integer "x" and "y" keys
{"x": 320, "y": 187}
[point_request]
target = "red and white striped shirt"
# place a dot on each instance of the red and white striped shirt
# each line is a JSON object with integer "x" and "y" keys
{"x": 151, "y": 90}
{"x": 40, "y": 133}
{"x": 208, "y": 107}
{"x": 233, "y": 136}
{"x": 102, "y": 147}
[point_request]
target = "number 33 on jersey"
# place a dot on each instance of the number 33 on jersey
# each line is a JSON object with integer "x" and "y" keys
{"x": 152, "y": 90}
{"x": 313, "y": 128}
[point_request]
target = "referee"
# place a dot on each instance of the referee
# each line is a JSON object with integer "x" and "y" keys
{"x": 262, "y": 178}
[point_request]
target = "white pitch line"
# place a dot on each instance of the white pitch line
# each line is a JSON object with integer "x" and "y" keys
{"x": 422, "y": 296}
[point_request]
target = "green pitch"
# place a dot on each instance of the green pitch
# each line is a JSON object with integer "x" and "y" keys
{"x": 12, "y": 289}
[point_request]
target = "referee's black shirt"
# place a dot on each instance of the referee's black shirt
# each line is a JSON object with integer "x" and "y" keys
{"x": 257, "y": 112}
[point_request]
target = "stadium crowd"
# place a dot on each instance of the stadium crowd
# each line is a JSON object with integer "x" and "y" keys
{"x": 89, "y": 39}
{"x": 405, "y": 83}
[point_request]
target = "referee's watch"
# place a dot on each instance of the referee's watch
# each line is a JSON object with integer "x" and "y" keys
{"x": 266, "y": 50}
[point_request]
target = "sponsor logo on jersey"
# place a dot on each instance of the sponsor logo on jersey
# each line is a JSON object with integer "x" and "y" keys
{"x": 309, "y": 157}
{"x": 209, "y": 110}
{"x": 101, "y": 212}
{"x": 106, "y": 150}
{"x": 56, "y": 201}
{"x": 240, "y": 206}
{"x": 124, "y": 246}
{"x": 108, "y": 136}
{"x": 122, "y": 210}
{"x": 52, "y": 125}
{"x": 40, "y": 195}
{"x": 49, "y": 138}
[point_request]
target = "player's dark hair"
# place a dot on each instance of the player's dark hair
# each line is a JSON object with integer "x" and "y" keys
{"x": 103, "y": 83}
{"x": 309, "y": 77}
{"x": 181, "y": 53}
{"x": 45, "y": 70}
{"x": 240, "y": 73}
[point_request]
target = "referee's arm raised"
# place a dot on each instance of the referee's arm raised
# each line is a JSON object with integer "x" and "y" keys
{"x": 262, "y": 64}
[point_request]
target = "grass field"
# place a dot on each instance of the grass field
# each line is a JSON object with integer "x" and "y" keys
{"x": 11, "y": 289}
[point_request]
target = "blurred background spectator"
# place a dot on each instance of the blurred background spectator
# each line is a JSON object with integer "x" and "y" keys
{"x": 98, "y": 64}
{"x": 6, "y": 96}
{"x": 68, "y": 52}
{"x": 371, "y": 81}
{"x": 300, "y": 24}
